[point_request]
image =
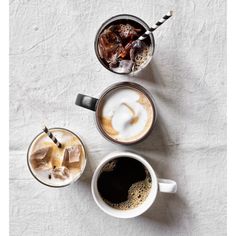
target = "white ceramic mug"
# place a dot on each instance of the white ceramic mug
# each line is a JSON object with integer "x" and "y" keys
{"x": 158, "y": 185}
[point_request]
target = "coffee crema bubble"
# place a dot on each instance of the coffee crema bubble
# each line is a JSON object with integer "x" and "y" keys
{"x": 57, "y": 166}
{"x": 126, "y": 114}
{"x": 124, "y": 183}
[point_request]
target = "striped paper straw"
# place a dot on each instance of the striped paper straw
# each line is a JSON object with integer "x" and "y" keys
{"x": 53, "y": 138}
{"x": 160, "y": 22}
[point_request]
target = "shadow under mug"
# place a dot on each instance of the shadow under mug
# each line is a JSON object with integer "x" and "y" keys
{"x": 95, "y": 105}
{"x": 158, "y": 185}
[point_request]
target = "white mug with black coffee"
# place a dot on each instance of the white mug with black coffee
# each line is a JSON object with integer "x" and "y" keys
{"x": 125, "y": 112}
{"x": 124, "y": 185}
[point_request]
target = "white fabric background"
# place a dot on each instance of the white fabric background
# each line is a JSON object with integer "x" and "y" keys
{"x": 52, "y": 59}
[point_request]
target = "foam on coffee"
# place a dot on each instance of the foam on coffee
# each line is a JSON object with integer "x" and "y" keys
{"x": 137, "y": 194}
{"x": 127, "y": 114}
{"x": 142, "y": 58}
{"x": 57, "y": 166}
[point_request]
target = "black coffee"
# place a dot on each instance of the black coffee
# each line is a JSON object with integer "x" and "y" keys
{"x": 124, "y": 183}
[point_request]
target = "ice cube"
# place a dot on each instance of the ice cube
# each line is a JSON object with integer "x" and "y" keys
{"x": 72, "y": 156}
{"x": 137, "y": 44}
{"x": 108, "y": 43}
{"x": 61, "y": 172}
{"x": 127, "y": 31}
{"x": 125, "y": 66}
{"x": 41, "y": 159}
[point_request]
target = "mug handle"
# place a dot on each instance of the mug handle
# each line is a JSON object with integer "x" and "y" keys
{"x": 86, "y": 101}
{"x": 167, "y": 186}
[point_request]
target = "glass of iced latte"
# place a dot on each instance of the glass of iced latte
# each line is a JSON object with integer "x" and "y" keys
{"x": 56, "y": 166}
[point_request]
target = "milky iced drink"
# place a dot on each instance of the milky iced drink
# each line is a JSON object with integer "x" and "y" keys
{"x": 57, "y": 166}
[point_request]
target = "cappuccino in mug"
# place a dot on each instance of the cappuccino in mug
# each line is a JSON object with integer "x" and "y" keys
{"x": 126, "y": 114}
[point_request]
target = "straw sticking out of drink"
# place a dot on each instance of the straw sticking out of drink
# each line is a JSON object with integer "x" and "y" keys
{"x": 122, "y": 46}
{"x": 137, "y": 43}
{"x": 159, "y": 23}
{"x": 53, "y": 138}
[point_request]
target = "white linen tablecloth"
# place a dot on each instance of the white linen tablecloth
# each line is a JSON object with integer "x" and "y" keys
{"x": 52, "y": 59}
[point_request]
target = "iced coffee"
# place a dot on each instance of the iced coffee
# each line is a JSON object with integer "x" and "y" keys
{"x": 54, "y": 166}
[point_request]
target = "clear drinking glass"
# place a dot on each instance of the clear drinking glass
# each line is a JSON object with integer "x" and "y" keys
{"x": 123, "y": 19}
{"x": 66, "y": 137}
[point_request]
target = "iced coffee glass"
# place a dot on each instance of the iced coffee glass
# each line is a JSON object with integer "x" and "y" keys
{"x": 116, "y": 46}
{"x": 54, "y": 166}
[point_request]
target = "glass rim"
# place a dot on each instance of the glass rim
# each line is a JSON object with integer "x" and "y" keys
{"x": 102, "y": 27}
{"x": 54, "y": 186}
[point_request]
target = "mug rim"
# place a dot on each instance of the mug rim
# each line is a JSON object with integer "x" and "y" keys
{"x": 102, "y": 27}
{"x": 56, "y": 186}
{"x": 134, "y": 212}
{"x": 113, "y": 87}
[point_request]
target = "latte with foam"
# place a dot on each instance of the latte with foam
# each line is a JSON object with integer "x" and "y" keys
{"x": 126, "y": 114}
{"x": 55, "y": 166}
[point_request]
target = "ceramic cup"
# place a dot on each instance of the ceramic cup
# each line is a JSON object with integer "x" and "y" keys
{"x": 158, "y": 185}
{"x": 96, "y": 105}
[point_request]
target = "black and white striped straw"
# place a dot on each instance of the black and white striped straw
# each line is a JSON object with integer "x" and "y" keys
{"x": 53, "y": 138}
{"x": 160, "y": 22}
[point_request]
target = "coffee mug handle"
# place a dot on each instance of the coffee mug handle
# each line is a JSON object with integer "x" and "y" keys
{"x": 86, "y": 101}
{"x": 167, "y": 186}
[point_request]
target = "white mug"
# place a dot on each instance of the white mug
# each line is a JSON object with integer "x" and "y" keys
{"x": 158, "y": 185}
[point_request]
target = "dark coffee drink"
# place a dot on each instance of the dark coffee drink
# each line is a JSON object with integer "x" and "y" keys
{"x": 119, "y": 50}
{"x": 117, "y": 47}
{"x": 124, "y": 183}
